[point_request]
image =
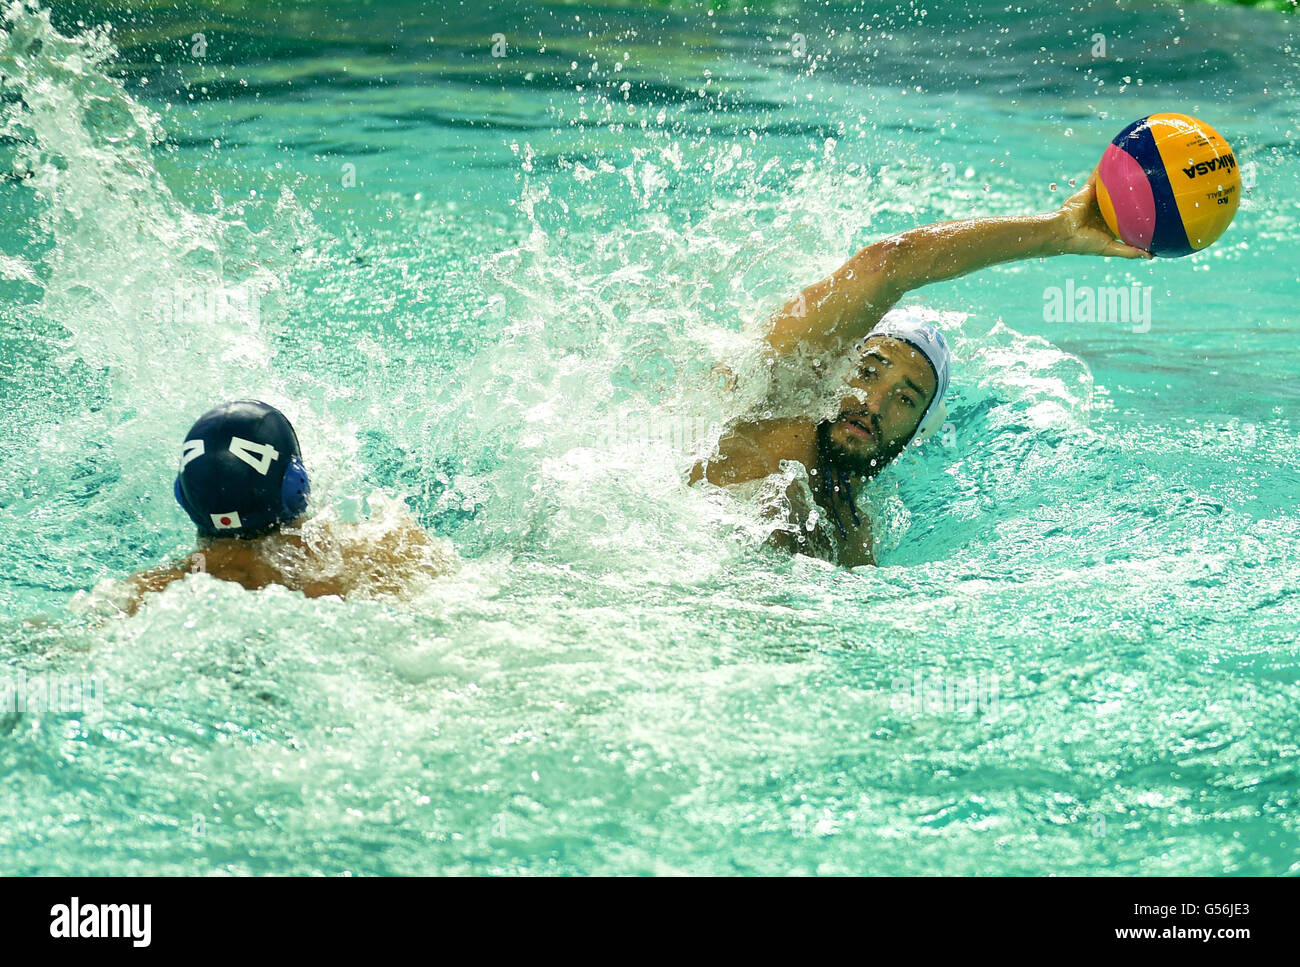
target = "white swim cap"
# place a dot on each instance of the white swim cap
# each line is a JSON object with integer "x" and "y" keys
{"x": 929, "y": 342}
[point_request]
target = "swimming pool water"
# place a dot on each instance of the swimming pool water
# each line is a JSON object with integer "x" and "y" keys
{"x": 494, "y": 288}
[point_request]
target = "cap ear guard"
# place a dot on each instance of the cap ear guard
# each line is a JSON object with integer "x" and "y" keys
{"x": 931, "y": 424}
{"x": 294, "y": 490}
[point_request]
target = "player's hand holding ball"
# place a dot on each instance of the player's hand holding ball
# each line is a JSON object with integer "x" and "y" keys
{"x": 1167, "y": 186}
{"x": 1083, "y": 230}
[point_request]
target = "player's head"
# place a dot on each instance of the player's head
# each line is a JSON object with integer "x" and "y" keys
{"x": 241, "y": 472}
{"x": 896, "y": 396}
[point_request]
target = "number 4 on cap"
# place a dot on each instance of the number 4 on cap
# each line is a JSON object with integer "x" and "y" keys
{"x": 259, "y": 456}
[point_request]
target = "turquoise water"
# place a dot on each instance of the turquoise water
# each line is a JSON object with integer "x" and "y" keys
{"x": 493, "y": 290}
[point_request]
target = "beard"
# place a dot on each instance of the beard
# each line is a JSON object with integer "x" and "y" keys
{"x": 863, "y": 463}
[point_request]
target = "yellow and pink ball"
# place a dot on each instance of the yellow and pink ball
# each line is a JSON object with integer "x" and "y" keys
{"x": 1168, "y": 184}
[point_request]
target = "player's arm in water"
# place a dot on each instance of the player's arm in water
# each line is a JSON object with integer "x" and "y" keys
{"x": 385, "y": 563}
{"x": 830, "y": 316}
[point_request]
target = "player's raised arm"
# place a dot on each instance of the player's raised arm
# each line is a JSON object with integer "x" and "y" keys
{"x": 833, "y": 314}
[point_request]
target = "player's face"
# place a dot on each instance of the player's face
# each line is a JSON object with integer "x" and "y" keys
{"x": 889, "y": 393}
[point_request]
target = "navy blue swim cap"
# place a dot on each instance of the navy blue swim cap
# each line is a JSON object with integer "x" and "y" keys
{"x": 241, "y": 471}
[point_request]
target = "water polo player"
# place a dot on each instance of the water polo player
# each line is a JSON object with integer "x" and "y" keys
{"x": 901, "y": 366}
{"x": 243, "y": 484}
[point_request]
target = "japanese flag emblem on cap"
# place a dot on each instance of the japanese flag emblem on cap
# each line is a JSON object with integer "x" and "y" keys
{"x": 226, "y": 521}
